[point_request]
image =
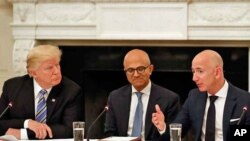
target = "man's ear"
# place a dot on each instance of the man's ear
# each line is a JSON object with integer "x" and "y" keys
{"x": 151, "y": 67}
{"x": 32, "y": 73}
{"x": 218, "y": 71}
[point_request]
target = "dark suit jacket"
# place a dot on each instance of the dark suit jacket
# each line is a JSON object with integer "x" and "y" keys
{"x": 64, "y": 105}
{"x": 117, "y": 117}
{"x": 191, "y": 115}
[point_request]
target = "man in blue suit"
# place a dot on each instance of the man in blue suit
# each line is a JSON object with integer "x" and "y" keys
{"x": 207, "y": 68}
{"x": 123, "y": 101}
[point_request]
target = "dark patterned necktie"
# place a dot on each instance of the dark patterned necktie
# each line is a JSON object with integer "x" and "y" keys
{"x": 210, "y": 125}
{"x": 137, "y": 125}
{"x": 41, "y": 111}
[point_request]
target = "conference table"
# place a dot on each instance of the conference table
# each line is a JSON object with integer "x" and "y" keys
{"x": 105, "y": 139}
{"x": 113, "y": 138}
{"x": 61, "y": 140}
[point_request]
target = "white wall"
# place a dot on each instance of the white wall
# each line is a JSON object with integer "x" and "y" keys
{"x": 78, "y": 23}
{"x": 6, "y": 41}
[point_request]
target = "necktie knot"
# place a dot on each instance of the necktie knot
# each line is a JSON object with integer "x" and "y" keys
{"x": 43, "y": 92}
{"x": 138, "y": 94}
{"x": 212, "y": 98}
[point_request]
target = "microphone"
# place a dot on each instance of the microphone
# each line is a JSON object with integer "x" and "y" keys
{"x": 242, "y": 115}
{"x": 4, "y": 111}
{"x": 106, "y": 108}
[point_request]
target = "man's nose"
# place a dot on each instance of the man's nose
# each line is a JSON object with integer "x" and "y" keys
{"x": 136, "y": 73}
{"x": 195, "y": 78}
{"x": 56, "y": 69}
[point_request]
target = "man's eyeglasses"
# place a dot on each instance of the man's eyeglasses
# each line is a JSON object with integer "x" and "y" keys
{"x": 139, "y": 70}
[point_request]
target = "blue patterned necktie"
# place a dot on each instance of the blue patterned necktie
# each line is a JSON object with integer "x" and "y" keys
{"x": 137, "y": 126}
{"x": 41, "y": 111}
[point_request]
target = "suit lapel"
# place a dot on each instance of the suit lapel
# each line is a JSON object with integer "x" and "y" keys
{"x": 28, "y": 93}
{"x": 228, "y": 110}
{"x": 202, "y": 99}
{"x": 126, "y": 98}
{"x": 150, "y": 109}
{"x": 52, "y": 100}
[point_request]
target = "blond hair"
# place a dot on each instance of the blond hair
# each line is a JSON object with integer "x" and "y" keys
{"x": 41, "y": 53}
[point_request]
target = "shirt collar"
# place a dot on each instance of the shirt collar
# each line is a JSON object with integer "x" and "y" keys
{"x": 146, "y": 90}
{"x": 223, "y": 91}
{"x": 38, "y": 88}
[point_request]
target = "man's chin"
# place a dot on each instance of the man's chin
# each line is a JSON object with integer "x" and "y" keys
{"x": 201, "y": 90}
{"x": 56, "y": 82}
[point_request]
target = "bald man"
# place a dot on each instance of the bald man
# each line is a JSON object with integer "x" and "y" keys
{"x": 207, "y": 69}
{"x": 123, "y": 101}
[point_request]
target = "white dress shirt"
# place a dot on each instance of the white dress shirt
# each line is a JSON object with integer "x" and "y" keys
{"x": 37, "y": 89}
{"x": 134, "y": 101}
{"x": 219, "y": 109}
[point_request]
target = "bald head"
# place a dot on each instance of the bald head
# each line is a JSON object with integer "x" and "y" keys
{"x": 212, "y": 57}
{"x": 207, "y": 68}
{"x": 136, "y": 55}
{"x": 138, "y": 61}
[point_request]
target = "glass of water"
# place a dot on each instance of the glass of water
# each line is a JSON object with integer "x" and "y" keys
{"x": 78, "y": 130}
{"x": 175, "y": 131}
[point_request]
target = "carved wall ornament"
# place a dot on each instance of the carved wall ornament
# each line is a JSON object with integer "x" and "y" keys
{"x": 66, "y": 13}
{"x": 20, "y": 51}
{"x": 21, "y": 13}
{"x": 220, "y": 14}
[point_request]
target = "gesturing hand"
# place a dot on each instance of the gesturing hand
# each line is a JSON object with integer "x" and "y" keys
{"x": 158, "y": 118}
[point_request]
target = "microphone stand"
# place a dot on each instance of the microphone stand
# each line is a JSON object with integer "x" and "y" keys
{"x": 242, "y": 115}
{"x": 4, "y": 111}
{"x": 93, "y": 123}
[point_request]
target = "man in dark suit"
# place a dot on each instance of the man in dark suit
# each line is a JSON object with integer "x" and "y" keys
{"x": 207, "y": 68}
{"x": 123, "y": 102}
{"x": 61, "y": 101}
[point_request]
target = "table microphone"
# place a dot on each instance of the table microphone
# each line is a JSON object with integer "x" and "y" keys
{"x": 4, "y": 111}
{"x": 106, "y": 108}
{"x": 242, "y": 115}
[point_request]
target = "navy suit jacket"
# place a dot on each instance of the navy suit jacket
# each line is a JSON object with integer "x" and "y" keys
{"x": 64, "y": 105}
{"x": 117, "y": 117}
{"x": 192, "y": 113}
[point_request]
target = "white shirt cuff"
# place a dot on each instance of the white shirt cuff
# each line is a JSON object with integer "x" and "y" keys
{"x": 24, "y": 135}
{"x": 163, "y": 131}
{"x": 26, "y": 123}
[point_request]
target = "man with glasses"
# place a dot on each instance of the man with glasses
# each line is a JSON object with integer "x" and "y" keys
{"x": 131, "y": 106}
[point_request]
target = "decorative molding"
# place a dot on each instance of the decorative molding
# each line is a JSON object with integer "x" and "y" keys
{"x": 20, "y": 51}
{"x": 218, "y": 14}
{"x": 219, "y": 21}
{"x": 17, "y": 1}
{"x": 219, "y": 33}
{"x": 142, "y": 21}
{"x": 24, "y": 31}
{"x": 24, "y": 13}
{"x": 76, "y": 13}
{"x": 186, "y": 20}
{"x": 86, "y": 31}
{"x": 107, "y": 1}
